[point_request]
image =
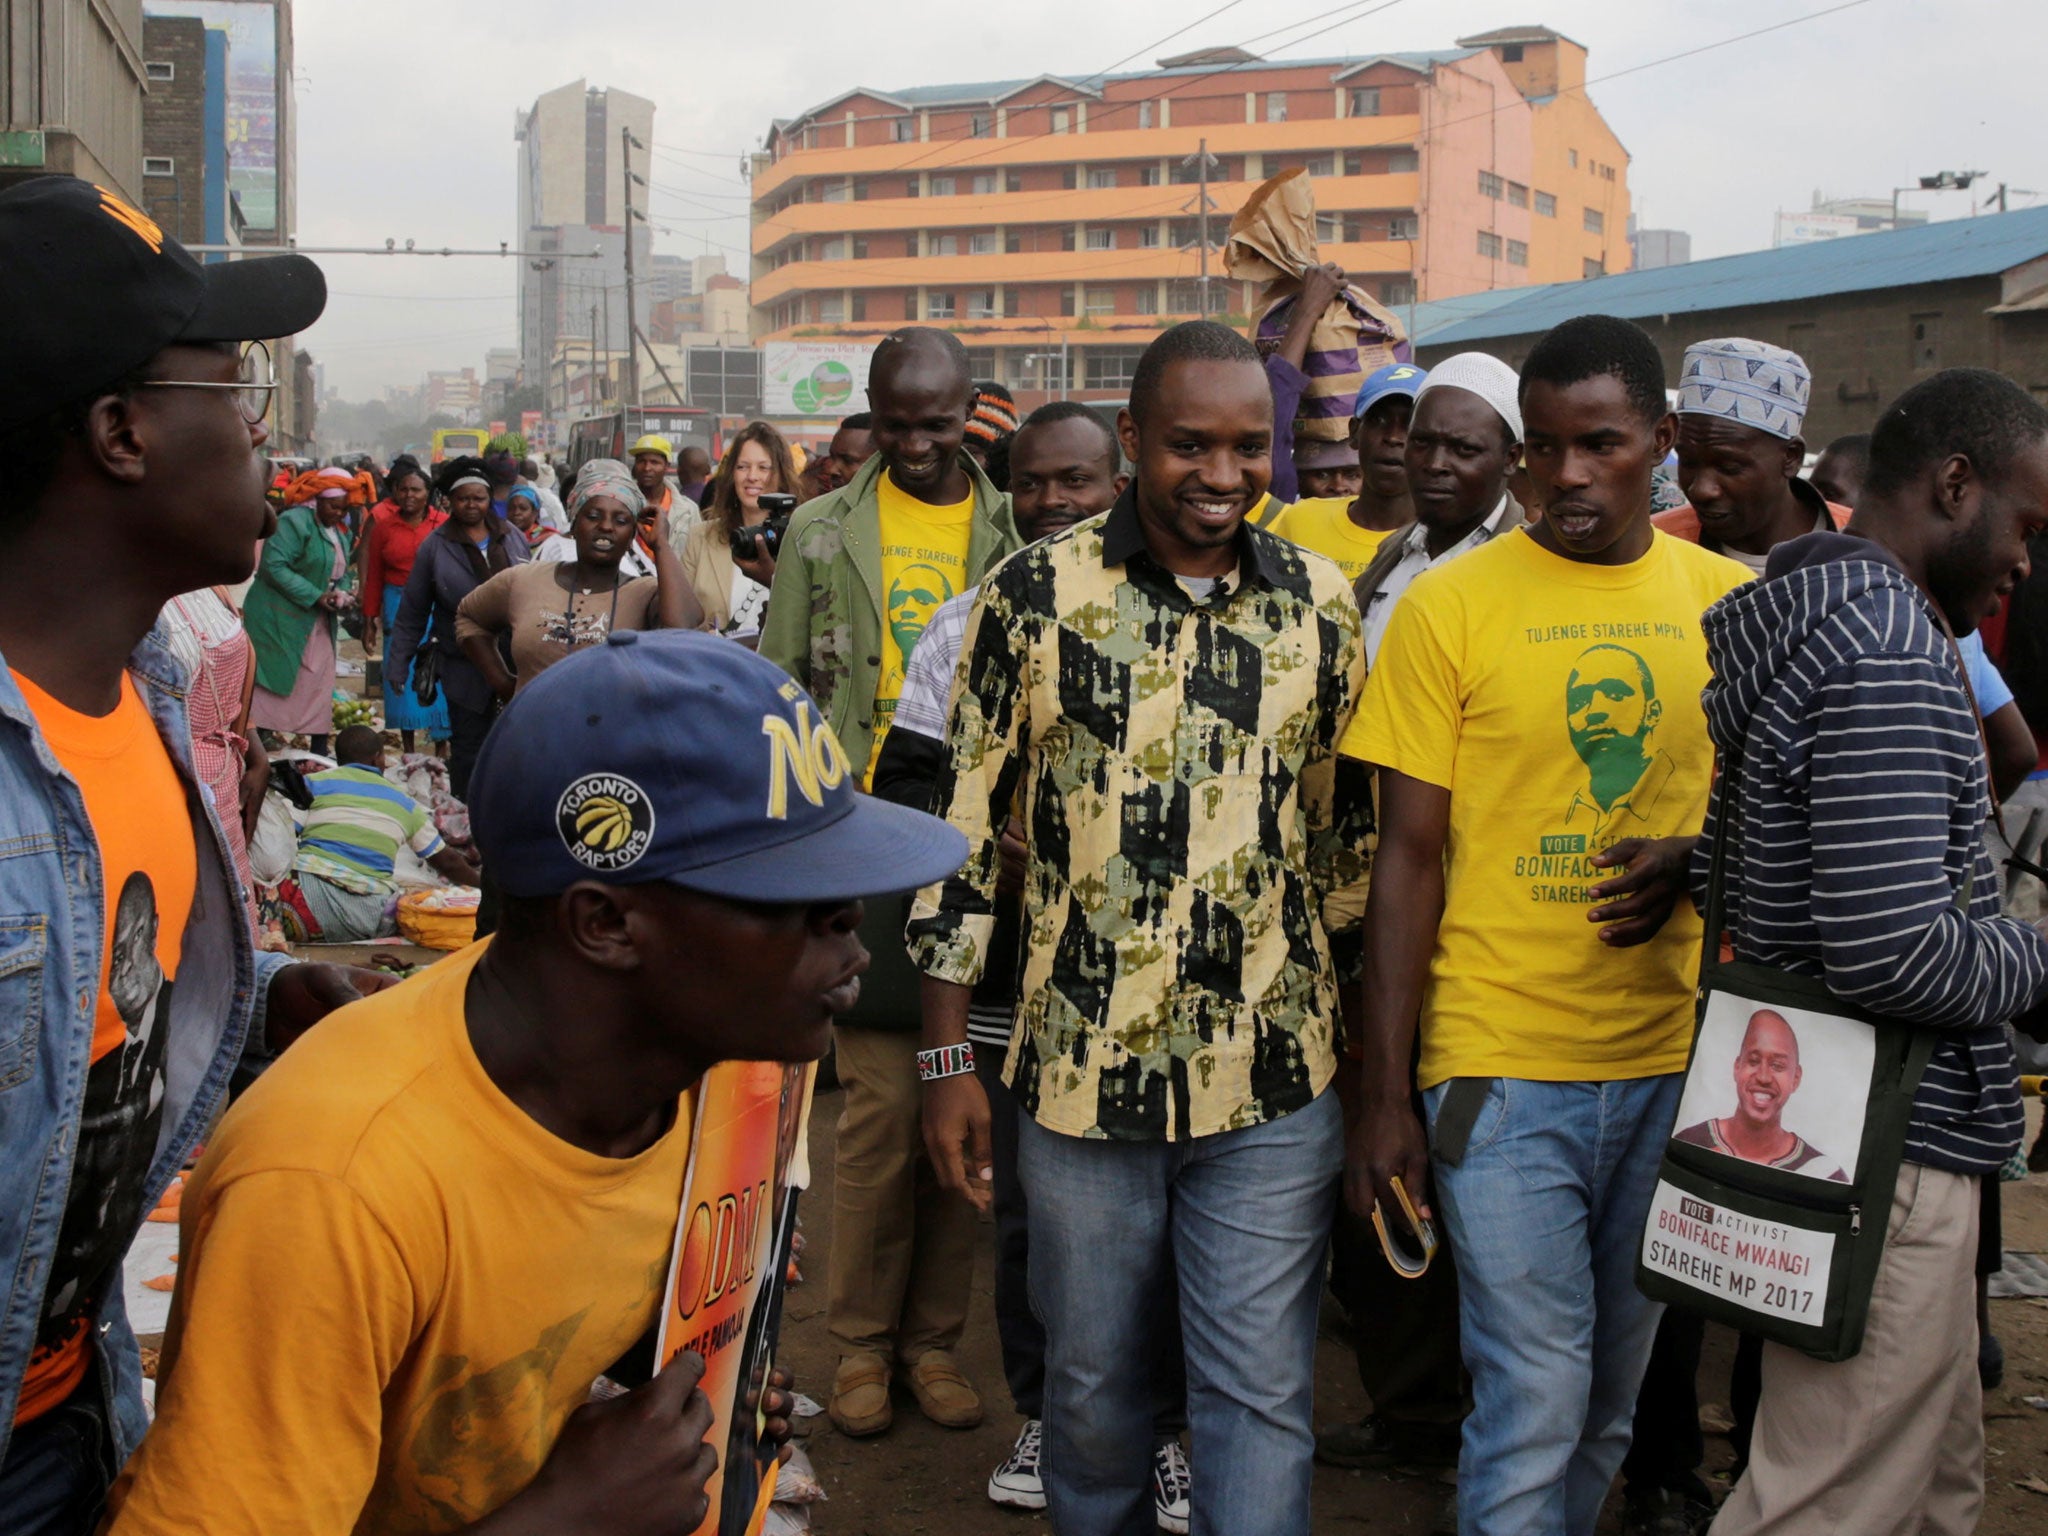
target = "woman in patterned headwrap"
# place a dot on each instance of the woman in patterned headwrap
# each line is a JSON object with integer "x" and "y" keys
{"x": 543, "y": 610}
{"x": 303, "y": 585}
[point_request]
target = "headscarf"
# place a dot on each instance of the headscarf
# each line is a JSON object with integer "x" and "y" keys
{"x": 605, "y": 477}
{"x": 317, "y": 485}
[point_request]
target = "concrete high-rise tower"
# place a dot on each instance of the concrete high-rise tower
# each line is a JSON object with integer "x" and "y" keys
{"x": 572, "y": 199}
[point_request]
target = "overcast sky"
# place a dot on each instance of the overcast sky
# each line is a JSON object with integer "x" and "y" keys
{"x": 406, "y": 106}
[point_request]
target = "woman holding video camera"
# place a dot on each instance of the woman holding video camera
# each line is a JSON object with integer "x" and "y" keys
{"x": 730, "y": 556}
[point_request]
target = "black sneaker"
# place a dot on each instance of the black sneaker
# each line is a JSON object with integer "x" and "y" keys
{"x": 1378, "y": 1443}
{"x": 1173, "y": 1486}
{"x": 1016, "y": 1483}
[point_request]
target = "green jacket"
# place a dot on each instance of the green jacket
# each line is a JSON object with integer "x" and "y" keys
{"x": 279, "y": 613}
{"x": 824, "y": 624}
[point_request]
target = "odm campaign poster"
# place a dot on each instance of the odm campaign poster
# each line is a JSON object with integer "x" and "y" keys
{"x": 747, "y": 1160}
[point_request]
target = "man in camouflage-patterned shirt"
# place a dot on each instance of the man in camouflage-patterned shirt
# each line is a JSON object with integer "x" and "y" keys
{"x": 1160, "y": 690}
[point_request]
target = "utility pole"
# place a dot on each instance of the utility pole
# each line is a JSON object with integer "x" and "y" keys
{"x": 590, "y": 386}
{"x": 660, "y": 368}
{"x": 627, "y": 144}
{"x": 1202, "y": 161}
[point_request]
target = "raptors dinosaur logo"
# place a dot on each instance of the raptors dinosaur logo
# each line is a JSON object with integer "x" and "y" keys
{"x": 606, "y": 822}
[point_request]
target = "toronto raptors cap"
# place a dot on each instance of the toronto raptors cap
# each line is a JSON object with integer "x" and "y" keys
{"x": 680, "y": 756}
{"x": 93, "y": 288}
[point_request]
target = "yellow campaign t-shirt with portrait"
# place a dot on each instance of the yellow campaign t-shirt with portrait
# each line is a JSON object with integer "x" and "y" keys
{"x": 149, "y": 869}
{"x": 1559, "y": 703}
{"x": 924, "y": 562}
{"x": 394, "y": 1286}
{"x": 1323, "y": 524}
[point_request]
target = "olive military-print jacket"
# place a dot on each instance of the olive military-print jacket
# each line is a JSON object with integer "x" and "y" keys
{"x": 824, "y": 624}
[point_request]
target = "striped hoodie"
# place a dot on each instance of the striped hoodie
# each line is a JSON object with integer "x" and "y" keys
{"x": 1863, "y": 803}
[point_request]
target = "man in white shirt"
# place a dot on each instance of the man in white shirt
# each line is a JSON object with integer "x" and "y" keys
{"x": 1464, "y": 440}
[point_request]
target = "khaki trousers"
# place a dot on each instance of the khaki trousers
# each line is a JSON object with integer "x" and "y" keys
{"x": 902, "y": 1256}
{"x": 1893, "y": 1440}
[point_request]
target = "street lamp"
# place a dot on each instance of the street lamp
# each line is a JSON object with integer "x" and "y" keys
{"x": 1940, "y": 181}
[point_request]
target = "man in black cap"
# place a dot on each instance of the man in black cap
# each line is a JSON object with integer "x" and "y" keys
{"x": 457, "y": 1201}
{"x": 133, "y": 394}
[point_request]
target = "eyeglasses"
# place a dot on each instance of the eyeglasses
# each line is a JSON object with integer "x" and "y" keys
{"x": 254, "y": 385}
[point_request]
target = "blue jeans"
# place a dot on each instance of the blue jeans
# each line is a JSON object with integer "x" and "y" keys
{"x": 1546, "y": 1211}
{"x": 1243, "y": 1216}
{"x": 58, "y": 1467}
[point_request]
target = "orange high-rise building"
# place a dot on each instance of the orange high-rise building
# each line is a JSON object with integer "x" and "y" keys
{"x": 1054, "y": 219}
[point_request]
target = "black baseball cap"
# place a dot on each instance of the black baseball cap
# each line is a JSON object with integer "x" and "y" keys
{"x": 94, "y": 289}
{"x": 680, "y": 756}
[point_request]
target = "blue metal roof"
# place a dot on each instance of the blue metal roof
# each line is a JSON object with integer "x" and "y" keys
{"x": 1927, "y": 253}
{"x": 1425, "y": 320}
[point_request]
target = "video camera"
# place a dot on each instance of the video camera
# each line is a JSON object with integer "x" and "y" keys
{"x": 763, "y": 538}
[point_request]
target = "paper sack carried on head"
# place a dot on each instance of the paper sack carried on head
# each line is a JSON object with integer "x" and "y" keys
{"x": 1273, "y": 241}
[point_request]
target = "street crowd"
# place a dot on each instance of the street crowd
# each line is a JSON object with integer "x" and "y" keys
{"x": 1239, "y": 863}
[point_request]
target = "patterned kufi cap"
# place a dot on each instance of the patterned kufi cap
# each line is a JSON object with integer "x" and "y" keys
{"x": 1750, "y": 383}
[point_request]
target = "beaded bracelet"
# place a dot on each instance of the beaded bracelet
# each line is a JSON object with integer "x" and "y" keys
{"x": 946, "y": 1061}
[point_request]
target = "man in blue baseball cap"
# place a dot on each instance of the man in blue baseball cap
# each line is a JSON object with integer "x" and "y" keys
{"x": 1350, "y": 527}
{"x": 455, "y": 1202}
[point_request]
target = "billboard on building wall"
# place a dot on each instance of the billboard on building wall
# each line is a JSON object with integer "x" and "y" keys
{"x": 254, "y": 151}
{"x": 1809, "y": 228}
{"x": 814, "y": 378}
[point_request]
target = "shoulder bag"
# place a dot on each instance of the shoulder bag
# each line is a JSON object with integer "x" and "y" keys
{"x": 1775, "y": 1193}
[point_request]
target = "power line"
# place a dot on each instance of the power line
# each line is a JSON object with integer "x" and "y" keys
{"x": 426, "y": 298}
{"x": 1633, "y": 69}
{"x": 1162, "y": 42}
{"x": 1384, "y": 143}
{"x": 1358, "y": 13}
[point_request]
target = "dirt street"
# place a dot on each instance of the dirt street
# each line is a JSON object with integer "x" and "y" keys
{"x": 918, "y": 1478}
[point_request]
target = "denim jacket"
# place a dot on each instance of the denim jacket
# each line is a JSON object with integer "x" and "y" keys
{"x": 52, "y": 948}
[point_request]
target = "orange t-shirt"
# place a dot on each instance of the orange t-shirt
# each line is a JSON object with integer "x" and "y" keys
{"x": 149, "y": 866}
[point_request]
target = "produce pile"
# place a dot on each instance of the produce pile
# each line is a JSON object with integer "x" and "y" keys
{"x": 351, "y": 709}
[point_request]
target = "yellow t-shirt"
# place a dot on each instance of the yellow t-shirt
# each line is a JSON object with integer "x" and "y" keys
{"x": 1323, "y": 524}
{"x": 394, "y": 1287}
{"x": 924, "y": 562}
{"x": 1559, "y": 703}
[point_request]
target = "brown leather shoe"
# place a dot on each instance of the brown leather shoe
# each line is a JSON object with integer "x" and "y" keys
{"x": 947, "y": 1397}
{"x": 860, "y": 1396}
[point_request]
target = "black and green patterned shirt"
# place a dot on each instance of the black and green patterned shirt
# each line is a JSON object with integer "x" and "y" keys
{"x": 1174, "y": 764}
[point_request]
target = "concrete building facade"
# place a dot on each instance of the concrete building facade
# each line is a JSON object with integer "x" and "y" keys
{"x": 1659, "y": 248}
{"x": 456, "y": 392}
{"x": 1053, "y": 222}
{"x": 185, "y": 131}
{"x": 71, "y": 92}
{"x": 572, "y": 200}
{"x": 260, "y": 114}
